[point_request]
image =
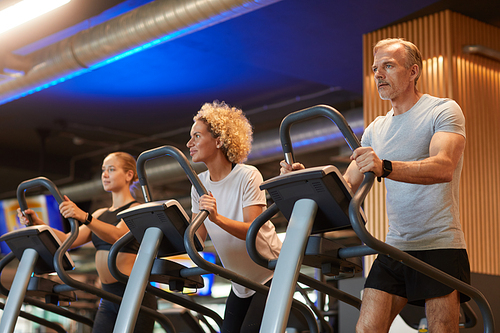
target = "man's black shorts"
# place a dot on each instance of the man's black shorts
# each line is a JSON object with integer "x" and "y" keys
{"x": 396, "y": 278}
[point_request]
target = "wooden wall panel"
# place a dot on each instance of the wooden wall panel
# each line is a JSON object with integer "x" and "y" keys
{"x": 474, "y": 82}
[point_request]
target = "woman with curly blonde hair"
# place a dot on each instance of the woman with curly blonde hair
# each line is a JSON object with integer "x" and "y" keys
{"x": 221, "y": 137}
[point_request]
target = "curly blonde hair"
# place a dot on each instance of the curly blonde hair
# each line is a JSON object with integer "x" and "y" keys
{"x": 231, "y": 126}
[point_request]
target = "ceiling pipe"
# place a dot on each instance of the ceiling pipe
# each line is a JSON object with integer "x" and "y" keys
{"x": 308, "y": 136}
{"x": 146, "y": 26}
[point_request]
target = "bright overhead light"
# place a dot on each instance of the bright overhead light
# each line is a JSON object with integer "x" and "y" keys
{"x": 26, "y": 10}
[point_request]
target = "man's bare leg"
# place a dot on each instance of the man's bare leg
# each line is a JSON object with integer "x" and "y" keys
{"x": 443, "y": 313}
{"x": 378, "y": 311}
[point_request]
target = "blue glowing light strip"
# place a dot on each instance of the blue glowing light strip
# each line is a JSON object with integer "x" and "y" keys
{"x": 44, "y": 86}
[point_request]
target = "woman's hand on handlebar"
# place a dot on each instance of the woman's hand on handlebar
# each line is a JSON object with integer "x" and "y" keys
{"x": 24, "y": 220}
{"x": 286, "y": 168}
{"x": 208, "y": 203}
{"x": 69, "y": 209}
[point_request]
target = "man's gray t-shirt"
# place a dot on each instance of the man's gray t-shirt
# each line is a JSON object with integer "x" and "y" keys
{"x": 421, "y": 217}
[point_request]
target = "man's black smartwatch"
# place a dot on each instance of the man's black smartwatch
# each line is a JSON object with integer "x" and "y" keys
{"x": 387, "y": 168}
{"x": 88, "y": 219}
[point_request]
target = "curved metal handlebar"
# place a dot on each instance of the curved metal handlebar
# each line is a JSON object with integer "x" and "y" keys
{"x": 175, "y": 153}
{"x": 339, "y": 120}
{"x": 32, "y": 183}
{"x": 253, "y": 231}
{"x": 313, "y": 112}
{"x": 469, "y": 315}
{"x": 49, "y": 185}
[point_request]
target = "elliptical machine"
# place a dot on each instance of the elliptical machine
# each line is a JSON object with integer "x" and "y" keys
{"x": 59, "y": 262}
{"x": 155, "y": 220}
{"x": 317, "y": 200}
{"x": 35, "y": 247}
{"x": 159, "y": 227}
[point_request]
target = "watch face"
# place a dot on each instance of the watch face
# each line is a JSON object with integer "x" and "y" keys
{"x": 387, "y": 165}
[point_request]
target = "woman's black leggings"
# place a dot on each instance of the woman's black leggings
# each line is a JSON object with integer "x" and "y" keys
{"x": 244, "y": 314}
{"x": 105, "y": 317}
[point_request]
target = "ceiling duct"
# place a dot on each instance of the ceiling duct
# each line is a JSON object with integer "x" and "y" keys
{"x": 308, "y": 136}
{"x": 143, "y": 27}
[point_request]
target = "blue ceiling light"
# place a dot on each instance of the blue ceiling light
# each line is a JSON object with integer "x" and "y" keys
{"x": 140, "y": 48}
{"x": 45, "y": 86}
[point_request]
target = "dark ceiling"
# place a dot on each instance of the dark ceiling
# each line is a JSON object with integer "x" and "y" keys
{"x": 294, "y": 52}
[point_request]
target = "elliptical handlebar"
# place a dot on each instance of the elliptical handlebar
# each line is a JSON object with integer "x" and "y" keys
{"x": 173, "y": 152}
{"x": 253, "y": 231}
{"x": 32, "y": 183}
{"x": 351, "y": 139}
{"x": 51, "y": 187}
{"x": 309, "y": 113}
{"x": 21, "y": 197}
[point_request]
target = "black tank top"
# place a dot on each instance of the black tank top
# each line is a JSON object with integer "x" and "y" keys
{"x": 110, "y": 218}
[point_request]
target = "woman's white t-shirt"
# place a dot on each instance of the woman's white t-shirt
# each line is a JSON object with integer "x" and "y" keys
{"x": 236, "y": 191}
